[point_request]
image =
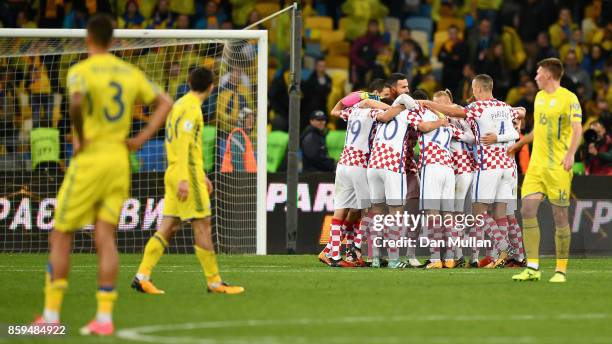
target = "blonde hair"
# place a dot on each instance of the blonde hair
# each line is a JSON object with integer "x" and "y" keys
{"x": 446, "y": 92}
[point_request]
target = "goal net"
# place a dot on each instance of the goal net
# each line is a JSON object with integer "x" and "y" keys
{"x": 35, "y": 143}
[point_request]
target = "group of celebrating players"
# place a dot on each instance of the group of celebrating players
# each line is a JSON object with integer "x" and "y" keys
{"x": 466, "y": 160}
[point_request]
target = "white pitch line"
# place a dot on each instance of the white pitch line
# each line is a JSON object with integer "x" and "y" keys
{"x": 146, "y": 333}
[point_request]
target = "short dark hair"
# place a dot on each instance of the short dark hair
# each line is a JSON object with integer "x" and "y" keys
{"x": 100, "y": 29}
{"x": 485, "y": 81}
{"x": 377, "y": 85}
{"x": 394, "y": 78}
{"x": 200, "y": 79}
{"x": 554, "y": 66}
{"x": 419, "y": 94}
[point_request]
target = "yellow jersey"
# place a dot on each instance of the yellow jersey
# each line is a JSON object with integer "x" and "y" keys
{"x": 553, "y": 115}
{"x": 110, "y": 87}
{"x": 184, "y": 139}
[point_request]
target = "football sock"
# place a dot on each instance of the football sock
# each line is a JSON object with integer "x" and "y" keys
{"x": 563, "y": 237}
{"x": 106, "y": 297}
{"x": 450, "y": 248}
{"x": 350, "y": 235}
{"x": 474, "y": 233}
{"x": 358, "y": 235}
{"x": 436, "y": 234}
{"x": 531, "y": 239}
{"x": 393, "y": 235}
{"x": 516, "y": 239}
{"x": 336, "y": 237}
{"x": 54, "y": 295}
{"x": 500, "y": 234}
{"x": 208, "y": 261}
{"x": 152, "y": 253}
{"x": 490, "y": 230}
{"x": 459, "y": 234}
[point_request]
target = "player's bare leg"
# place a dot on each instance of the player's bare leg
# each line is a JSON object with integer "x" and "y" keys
{"x": 205, "y": 252}
{"x": 531, "y": 237}
{"x": 108, "y": 269}
{"x": 56, "y": 276}
{"x": 153, "y": 251}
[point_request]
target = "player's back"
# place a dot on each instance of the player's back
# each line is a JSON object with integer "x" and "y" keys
{"x": 553, "y": 115}
{"x": 110, "y": 88}
{"x": 389, "y": 146}
{"x": 360, "y": 124}
{"x": 183, "y": 134}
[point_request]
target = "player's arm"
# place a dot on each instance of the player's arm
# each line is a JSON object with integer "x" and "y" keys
{"x": 373, "y": 104}
{"x": 162, "y": 103}
{"x": 517, "y": 146}
{"x": 575, "y": 112}
{"x": 462, "y": 135}
{"x": 568, "y": 161}
{"x": 337, "y": 110}
{"x": 77, "y": 90}
{"x": 453, "y": 110}
{"x": 426, "y": 127}
{"x": 390, "y": 113}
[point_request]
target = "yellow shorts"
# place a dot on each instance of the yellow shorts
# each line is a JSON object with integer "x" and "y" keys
{"x": 197, "y": 204}
{"x": 556, "y": 184}
{"x": 94, "y": 187}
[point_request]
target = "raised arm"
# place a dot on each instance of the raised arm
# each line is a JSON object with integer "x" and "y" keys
{"x": 450, "y": 110}
{"x": 390, "y": 113}
{"x": 426, "y": 127}
{"x": 517, "y": 146}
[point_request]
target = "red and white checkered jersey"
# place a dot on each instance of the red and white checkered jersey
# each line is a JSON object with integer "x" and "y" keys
{"x": 491, "y": 116}
{"x": 389, "y": 148}
{"x": 357, "y": 143}
{"x": 463, "y": 149}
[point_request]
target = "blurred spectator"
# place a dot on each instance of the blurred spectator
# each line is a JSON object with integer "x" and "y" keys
{"x": 278, "y": 97}
{"x": 593, "y": 63}
{"x": 530, "y": 89}
{"x": 359, "y": 15}
{"x": 241, "y": 144}
{"x": 464, "y": 88}
{"x": 480, "y": 40}
{"x": 488, "y": 9}
{"x": 453, "y": 55}
{"x": 213, "y": 17}
{"x": 576, "y": 44}
{"x": 254, "y": 17}
{"x": 577, "y": 74}
{"x": 599, "y": 150}
{"x": 39, "y": 85}
{"x": 543, "y": 51}
{"x": 186, "y": 7}
{"x": 77, "y": 17}
{"x": 8, "y": 111}
{"x": 382, "y": 65}
{"x": 316, "y": 90}
{"x": 51, "y": 13}
{"x": 162, "y": 18}
{"x": 493, "y": 65}
{"x": 514, "y": 52}
{"x": 132, "y": 19}
{"x": 182, "y": 22}
{"x": 405, "y": 34}
{"x": 561, "y": 31}
{"x": 315, "y": 156}
{"x": 233, "y": 95}
{"x": 404, "y": 59}
{"x": 590, "y": 22}
{"x": 533, "y": 19}
{"x": 363, "y": 53}
{"x": 23, "y": 20}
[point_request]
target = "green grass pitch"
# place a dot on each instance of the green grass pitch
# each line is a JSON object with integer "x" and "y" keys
{"x": 295, "y": 299}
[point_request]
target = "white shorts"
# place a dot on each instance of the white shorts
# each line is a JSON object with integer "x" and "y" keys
{"x": 437, "y": 188}
{"x": 351, "y": 188}
{"x": 493, "y": 185}
{"x": 387, "y": 187}
{"x": 463, "y": 184}
{"x": 512, "y": 203}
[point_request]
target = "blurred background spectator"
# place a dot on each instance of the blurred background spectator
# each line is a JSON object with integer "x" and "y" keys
{"x": 436, "y": 44}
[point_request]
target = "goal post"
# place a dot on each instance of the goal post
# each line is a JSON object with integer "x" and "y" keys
{"x": 33, "y": 63}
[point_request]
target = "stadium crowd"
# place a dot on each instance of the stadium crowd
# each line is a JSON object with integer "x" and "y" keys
{"x": 437, "y": 44}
